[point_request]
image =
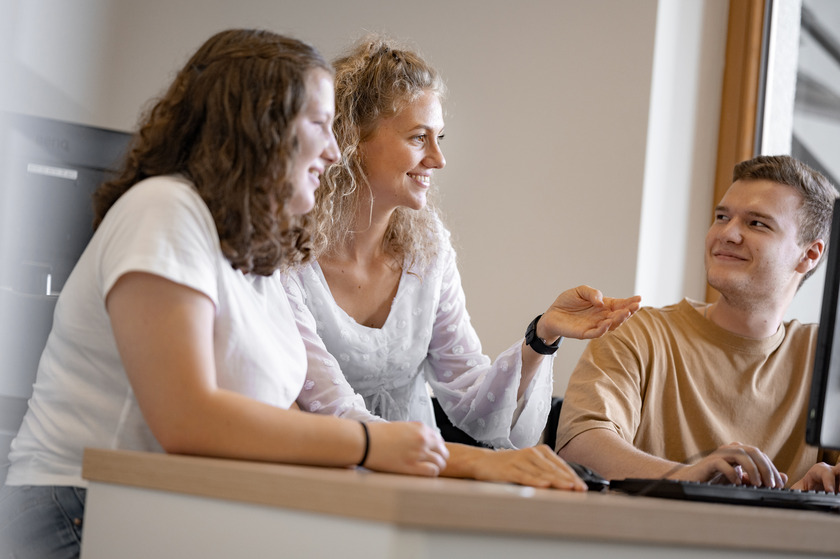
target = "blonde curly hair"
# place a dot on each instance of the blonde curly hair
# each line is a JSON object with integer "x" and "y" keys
{"x": 374, "y": 81}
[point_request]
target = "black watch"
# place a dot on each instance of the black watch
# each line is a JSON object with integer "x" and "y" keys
{"x": 538, "y": 344}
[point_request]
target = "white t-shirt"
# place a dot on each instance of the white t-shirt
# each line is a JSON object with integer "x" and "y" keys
{"x": 82, "y": 397}
{"x": 427, "y": 337}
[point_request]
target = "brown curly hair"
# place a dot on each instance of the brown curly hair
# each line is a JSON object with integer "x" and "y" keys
{"x": 375, "y": 80}
{"x": 225, "y": 124}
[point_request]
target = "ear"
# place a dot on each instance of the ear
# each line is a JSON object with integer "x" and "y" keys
{"x": 811, "y": 256}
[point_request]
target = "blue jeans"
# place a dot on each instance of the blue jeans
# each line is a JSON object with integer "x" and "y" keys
{"x": 43, "y": 522}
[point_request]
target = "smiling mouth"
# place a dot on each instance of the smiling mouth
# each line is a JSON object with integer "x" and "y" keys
{"x": 728, "y": 256}
{"x": 425, "y": 180}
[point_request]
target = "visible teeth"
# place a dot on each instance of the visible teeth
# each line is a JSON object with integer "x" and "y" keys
{"x": 425, "y": 179}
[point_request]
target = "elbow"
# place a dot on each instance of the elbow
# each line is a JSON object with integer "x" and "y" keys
{"x": 193, "y": 426}
{"x": 175, "y": 443}
{"x": 570, "y": 451}
{"x": 564, "y": 453}
{"x": 181, "y": 437}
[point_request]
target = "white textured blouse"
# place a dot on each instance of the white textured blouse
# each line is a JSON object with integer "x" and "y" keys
{"x": 427, "y": 338}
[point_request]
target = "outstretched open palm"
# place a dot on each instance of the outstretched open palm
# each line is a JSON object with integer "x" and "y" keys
{"x": 584, "y": 313}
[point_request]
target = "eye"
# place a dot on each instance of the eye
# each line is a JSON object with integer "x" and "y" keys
{"x": 721, "y": 217}
{"x": 760, "y": 224}
{"x": 322, "y": 120}
{"x": 441, "y": 137}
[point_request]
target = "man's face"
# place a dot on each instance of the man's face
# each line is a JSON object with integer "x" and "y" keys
{"x": 752, "y": 251}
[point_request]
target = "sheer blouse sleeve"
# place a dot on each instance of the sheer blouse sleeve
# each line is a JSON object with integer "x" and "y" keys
{"x": 325, "y": 389}
{"x": 480, "y": 397}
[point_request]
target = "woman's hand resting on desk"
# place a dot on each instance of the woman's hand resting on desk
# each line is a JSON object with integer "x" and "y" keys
{"x": 584, "y": 313}
{"x": 536, "y": 466}
{"x": 405, "y": 448}
{"x": 821, "y": 477}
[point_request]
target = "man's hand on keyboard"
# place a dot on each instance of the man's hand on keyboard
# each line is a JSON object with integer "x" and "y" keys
{"x": 738, "y": 463}
{"x": 821, "y": 477}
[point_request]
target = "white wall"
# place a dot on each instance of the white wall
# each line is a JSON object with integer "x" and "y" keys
{"x": 681, "y": 150}
{"x": 563, "y": 122}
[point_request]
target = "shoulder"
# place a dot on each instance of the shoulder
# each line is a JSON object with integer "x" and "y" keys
{"x": 435, "y": 252}
{"x": 299, "y": 278}
{"x": 647, "y": 331}
{"x": 167, "y": 195}
{"x": 667, "y": 317}
{"x": 680, "y": 318}
{"x": 794, "y": 325}
{"x": 160, "y": 217}
{"x": 164, "y": 187}
{"x": 799, "y": 333}
{"x": 170, "y": 202}
{"x": 160, "y": 226}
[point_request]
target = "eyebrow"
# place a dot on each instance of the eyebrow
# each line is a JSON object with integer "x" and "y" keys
{"x": 424, "y": 127}
{"x": 757, "y": 215}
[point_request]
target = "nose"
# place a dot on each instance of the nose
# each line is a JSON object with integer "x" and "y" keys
{"x": 331, "y": 152}
{"x": 730, "y": 231}
{"x": 434, "y": 157}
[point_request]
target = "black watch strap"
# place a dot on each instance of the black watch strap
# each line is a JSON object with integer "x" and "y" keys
{"x": 536, "y": 343}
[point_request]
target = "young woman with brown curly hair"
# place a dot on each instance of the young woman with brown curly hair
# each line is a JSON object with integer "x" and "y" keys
{"x": 172, "y": 332}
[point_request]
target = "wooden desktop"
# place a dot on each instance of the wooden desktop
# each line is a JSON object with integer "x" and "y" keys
{"x": 158, "y": 505}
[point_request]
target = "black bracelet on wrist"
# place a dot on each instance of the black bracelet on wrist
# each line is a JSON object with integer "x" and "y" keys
{"x": 536, "y": 343}
{"x": 367, "y": 444}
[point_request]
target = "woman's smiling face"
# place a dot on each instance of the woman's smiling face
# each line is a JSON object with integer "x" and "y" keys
{"x": 317, "y": 148}
{"x": 402, "y": 153}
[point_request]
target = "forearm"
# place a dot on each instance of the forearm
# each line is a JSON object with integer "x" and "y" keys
{"x": 531, "y": 361}
{"x": 614, "y": 458}
{"x": 229, "y": 425}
